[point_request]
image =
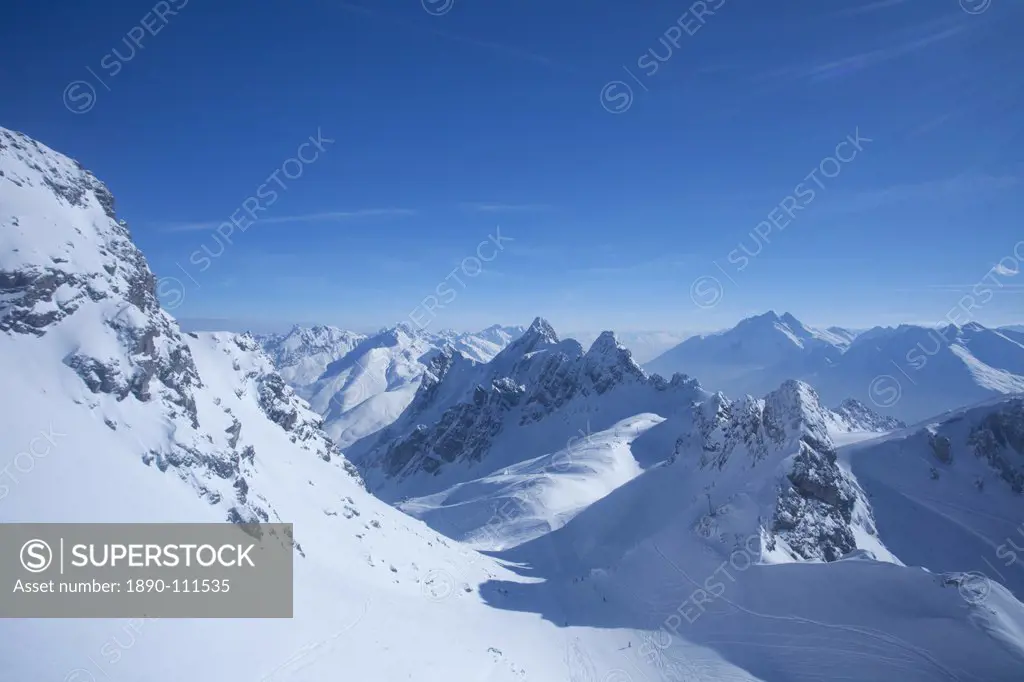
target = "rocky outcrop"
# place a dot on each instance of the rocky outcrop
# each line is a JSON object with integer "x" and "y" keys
{"x": 859, "y": 417}
{"x": 999, "y": 440}
{"x": 941, "y": 447}
{"x": 69, "y": 268}
{"x": 461, "y": 407}
{"x": 814, "y": 513}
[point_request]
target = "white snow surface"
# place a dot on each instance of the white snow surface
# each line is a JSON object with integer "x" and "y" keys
{"x": 537, "y": 495}
{"x": 643, "y": 584}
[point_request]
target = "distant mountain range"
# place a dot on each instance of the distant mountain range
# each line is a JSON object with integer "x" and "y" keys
{"x": 361, "y": 383}
{"x": 911, "y": 372}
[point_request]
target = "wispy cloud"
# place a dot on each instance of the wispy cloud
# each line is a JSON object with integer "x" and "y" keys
{"x": 329, "y": 216}
{"x": 482, "y": 207}
{"x": 496, "y": 48}
{"x": 870, "y": 58}
{"x": 866, "y": 8}
{"x": 963, "y": 188}
{"x": 897, "y": 44}
{"x": 996, "y": 288}
{"x": 660, "y": 265}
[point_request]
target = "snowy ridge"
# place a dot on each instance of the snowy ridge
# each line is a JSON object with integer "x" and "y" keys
{"x": 526, "y": 402}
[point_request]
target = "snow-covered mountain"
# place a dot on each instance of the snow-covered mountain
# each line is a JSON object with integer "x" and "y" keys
{"x": 700, "y": 559}
{"x": 958, "y": 477}
{"x": 553, "y": 427}
{"x": 908, "y": 372}
{"x": 303, "y": 354}
{"x": 547, "y": 488}
{"x": 145, "y": 424}
{"x": 768, "y": 347}
{"x": 481, "y": 346}
{"x": 527, "y": 401}
{"x": 699, "y": 554}
{"x": 360, "y": 383}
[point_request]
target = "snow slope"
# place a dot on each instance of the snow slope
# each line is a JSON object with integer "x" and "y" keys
{"x": 908, "y": 372}
{"x": 114, "y": 415}
{"x": 947, "y": 492}
{"x": 530, "y": 498}
{"x": 689, "y": 558}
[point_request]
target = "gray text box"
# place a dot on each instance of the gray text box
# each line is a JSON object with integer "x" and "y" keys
{"x": 146, "y": 570}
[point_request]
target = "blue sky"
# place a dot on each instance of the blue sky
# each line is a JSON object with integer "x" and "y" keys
{"x": 449, "y": 119}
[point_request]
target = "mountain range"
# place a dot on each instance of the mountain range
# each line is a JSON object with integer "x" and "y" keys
{"x": 766, "y": 538}
{"x": 360, "y": 383}
{"x": 910, "y": 372}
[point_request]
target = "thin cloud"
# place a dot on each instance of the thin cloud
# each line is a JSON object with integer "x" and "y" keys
{"x": 330, "y": 216}
{"x": 870, "y": 58}
{"x": 964, "y": 188}
{"x": 503, "y": 208}
{"x": 870, "y": 7}
{"x": 496, "y": 48}
{"x": 661, "y": 264}
{"x": 900, "y": 43}
{"x": 1008, "y": 288}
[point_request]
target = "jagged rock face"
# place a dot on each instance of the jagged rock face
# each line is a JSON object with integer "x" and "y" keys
{"x": 942, "y": 447}
{"x": 814, "y": 513}
{"x": 72, "y": 279}
{"x": 536, "y": 376}
{"x": 999, "y": 440}
{"x": 815, "y": 498}
{"x": 860, "y": 417}
{"x": 815, "y": 506}
{"x": 760, "y": 425}
{"x": 45, "y": 278}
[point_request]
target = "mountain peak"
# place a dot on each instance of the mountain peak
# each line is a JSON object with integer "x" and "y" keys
{"x": 797, "y": 408}
{"x": 605, "y": 342}
{"x": 771, "y": 318}
{"x": 791, "y": 320}
{"x": 542, "y": 328}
